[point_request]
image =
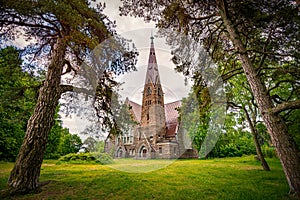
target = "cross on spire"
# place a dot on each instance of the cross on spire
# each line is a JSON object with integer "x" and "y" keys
{"x": 152, "y": 38}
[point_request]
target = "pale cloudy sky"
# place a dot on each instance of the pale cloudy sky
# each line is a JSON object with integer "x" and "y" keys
{"x": 140, "y": 32}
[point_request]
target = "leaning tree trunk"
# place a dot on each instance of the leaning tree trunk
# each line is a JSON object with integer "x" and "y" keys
{"x": 285, "y": 146}
{"x": 256, "y": 142}
{"x": 25, "y": 175}
{"x": 259, "y": 152}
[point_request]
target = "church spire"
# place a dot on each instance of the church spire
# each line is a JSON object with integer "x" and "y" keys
{"x": 153, "y": 112}
{"x": 152, "y": 75}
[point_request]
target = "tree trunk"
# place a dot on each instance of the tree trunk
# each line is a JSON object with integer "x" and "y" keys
{"x": 259, "y": 152}
{"x": 25, "y": 175}
{"x": 256, "y": 142}
{"x": 285, "y": 146}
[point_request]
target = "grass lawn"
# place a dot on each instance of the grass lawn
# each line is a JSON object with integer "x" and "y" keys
{"x": 228, "y": 178}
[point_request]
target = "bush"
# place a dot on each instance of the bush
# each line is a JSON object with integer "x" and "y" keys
{"x": 268, "y": 152}
{"x": 52, "y": 156}
{"x": 229, "y": 150}
{"x": 100, "y": 158}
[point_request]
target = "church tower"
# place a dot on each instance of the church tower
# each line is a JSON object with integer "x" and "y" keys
{"x": 153, "y": 112}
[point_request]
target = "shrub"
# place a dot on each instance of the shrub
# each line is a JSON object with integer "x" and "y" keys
{"x": 52, "y": 156}
{"x": 100, "y": 158}
{"x": 103, "y": 158}
{"x": 268, "y": 151}
{"x": 229, "y": 150}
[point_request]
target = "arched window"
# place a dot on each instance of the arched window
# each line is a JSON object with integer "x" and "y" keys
{"x": 120, "y": 153}
{"x": 143, "y": 152}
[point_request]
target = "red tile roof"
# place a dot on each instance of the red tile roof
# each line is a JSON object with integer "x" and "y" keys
{"x": 136, "y": 110}
{"x": 171, "y": 112}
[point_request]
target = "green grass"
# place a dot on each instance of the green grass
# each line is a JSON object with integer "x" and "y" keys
{"x": 228, "y": 178}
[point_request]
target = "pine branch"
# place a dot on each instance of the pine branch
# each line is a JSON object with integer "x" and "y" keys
{"x": 286, "y": 106}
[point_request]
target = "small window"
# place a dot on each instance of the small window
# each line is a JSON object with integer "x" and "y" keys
{"x": 148, "y": 91}
{"x": 159, "y": 92}
{"x": 160, "y": 149}
{"x": 147, "y": 116}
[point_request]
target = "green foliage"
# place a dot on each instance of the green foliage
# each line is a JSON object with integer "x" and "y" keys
{"x": 194, "y": 113}
{"x": 17, "y": 98}
{"x": 100, "y": 146}
{"x": 268, "y": 151}
{"x": 194, "y": 116}
{"x": 101, "y": 158}
{"x": 233, "y": 144}
{"x": 55, "y": 140}
{"x": 294, "y": 126}
{"x": 70, "y": 144}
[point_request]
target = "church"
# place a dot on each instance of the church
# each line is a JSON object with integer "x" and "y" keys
{"x": 157, "y": 133}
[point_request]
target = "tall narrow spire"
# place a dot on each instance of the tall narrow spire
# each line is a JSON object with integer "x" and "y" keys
{"x": 152, "y": 75}
{"x": 153, "y": 113}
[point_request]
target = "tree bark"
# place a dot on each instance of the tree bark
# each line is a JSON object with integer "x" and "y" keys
{"x": 285, "y": 146}
{"x": 25, "y": 175}
{"x": 256, "y": 142}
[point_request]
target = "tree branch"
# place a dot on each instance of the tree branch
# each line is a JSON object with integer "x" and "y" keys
{"x": 234, "y": 105}
{"x": 286, "y": 106}
{"x": 232, "y": 73}
{"x": 70, "y": 88}
{"x": 203, "y": 18}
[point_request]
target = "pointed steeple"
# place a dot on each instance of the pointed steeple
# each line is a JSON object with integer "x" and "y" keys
{"x": 153, "y": 113}
{"x": 152, "y": 75}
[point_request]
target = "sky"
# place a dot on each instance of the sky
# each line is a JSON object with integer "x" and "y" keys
{"x": 139, "y": 32}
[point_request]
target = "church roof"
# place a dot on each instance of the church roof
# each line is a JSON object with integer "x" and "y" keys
{"x": 171, "y": 112}
{"x": 136, "y": 110}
